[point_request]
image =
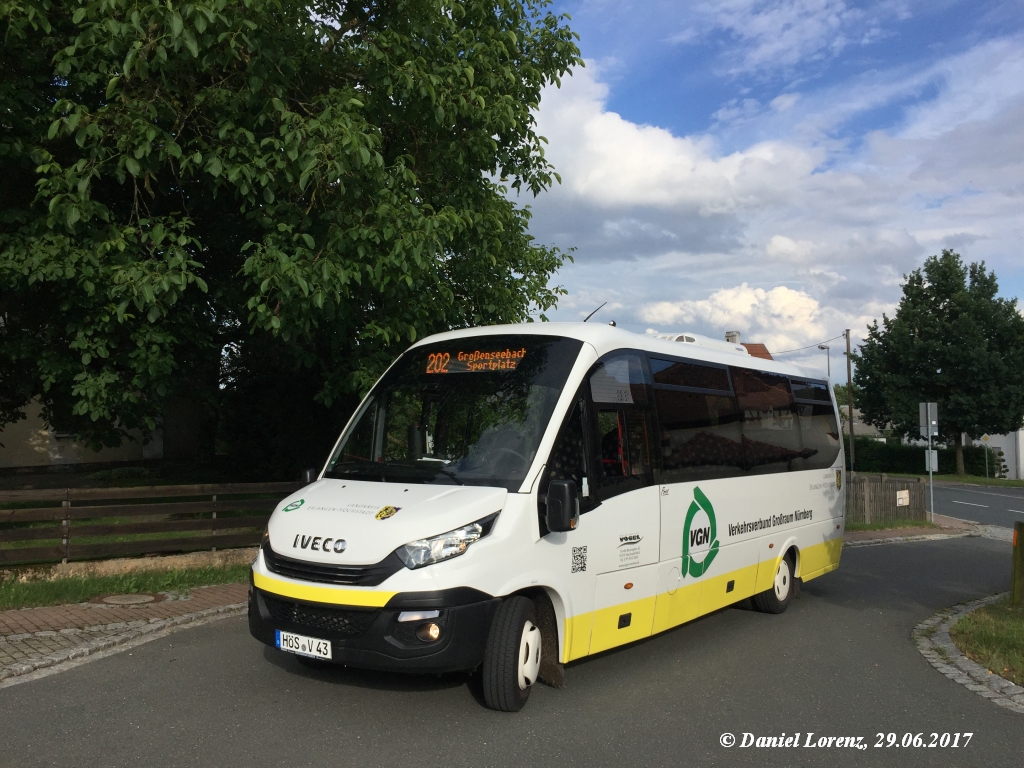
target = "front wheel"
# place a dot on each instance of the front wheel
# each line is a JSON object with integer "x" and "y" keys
{"x": 512, "y": 656}
{"x": 776, "y": 599}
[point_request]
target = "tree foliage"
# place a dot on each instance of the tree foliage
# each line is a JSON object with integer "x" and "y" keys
{"x": 952, "y": 341}
{"x": 197, "y": 193}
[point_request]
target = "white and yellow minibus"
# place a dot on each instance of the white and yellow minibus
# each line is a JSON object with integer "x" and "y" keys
{"x": 515, "y": 497}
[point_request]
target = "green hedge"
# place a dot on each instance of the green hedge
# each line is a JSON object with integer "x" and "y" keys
{"x": 875, "y": 456}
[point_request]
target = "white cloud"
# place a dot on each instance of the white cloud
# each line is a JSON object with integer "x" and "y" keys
{"x": 784, "y": 102}
{"x": 772, "y": 36}
{"x": 781, "y": 33}
{"x": 610, "y": 161}
{"x": 783, "y": 247}
{"x": 780, "y": 317}
{"x": 794, "y": 238}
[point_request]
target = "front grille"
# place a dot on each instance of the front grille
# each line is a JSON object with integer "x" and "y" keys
{"x": 337, "y": 622}
{"x": 350, "y": 575}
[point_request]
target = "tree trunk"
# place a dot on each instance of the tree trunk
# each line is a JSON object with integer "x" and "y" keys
{"x": 960, "y": 455}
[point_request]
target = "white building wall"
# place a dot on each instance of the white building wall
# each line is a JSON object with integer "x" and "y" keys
{"x": 1011, "y": 446}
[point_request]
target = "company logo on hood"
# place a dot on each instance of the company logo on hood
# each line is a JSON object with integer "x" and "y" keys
{"x": 386, "y": 512}
{"x": 294, "y": 505}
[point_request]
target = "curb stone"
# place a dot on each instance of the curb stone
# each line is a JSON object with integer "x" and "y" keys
{"x": 133, "y": 631}
{"x": 906, "y": 539}
{"x": 996, "y": 532}
{"x": 933, "y": 641}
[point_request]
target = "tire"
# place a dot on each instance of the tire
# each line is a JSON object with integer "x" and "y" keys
{"x": 512, "y": 656}
{"x": 776, "y": 599}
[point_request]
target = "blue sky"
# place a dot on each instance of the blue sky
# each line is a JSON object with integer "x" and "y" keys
{"x": 776, "y": 167}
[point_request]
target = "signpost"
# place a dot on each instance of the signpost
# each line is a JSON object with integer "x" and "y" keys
{"x": 929, "y": 423}
{"x": 985, "y": 438}
{"x": 1017, "y": 570}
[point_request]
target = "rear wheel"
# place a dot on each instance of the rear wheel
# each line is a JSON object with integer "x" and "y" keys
{"x": 776, "y": 599}
{"x": 512, "y": 657}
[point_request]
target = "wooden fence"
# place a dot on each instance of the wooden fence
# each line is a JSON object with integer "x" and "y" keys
{"x": 45, "y": 526}
{"x": 880, "y": 498}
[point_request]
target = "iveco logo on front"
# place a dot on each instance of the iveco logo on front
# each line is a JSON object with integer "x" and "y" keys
{"x": 319, "y": 543}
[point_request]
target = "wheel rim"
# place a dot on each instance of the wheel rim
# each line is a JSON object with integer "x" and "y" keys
{"x": 783, "y": 580}
{"x": 529, "y": 656}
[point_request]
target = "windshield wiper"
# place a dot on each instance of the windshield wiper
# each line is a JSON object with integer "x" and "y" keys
{"x": 447, "y": 473}
{"x": 357, "y": 468}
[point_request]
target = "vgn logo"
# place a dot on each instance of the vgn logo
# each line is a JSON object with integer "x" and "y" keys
{"x": 294, "y": 505}
{"x": 700, "y": 536}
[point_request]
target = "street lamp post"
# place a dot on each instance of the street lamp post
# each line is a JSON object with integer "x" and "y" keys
{"x": 849, "y": 399}
{"x": 828, "y": 359}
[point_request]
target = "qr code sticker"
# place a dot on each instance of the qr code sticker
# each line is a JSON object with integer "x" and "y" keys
{"x": 579, "y": 559}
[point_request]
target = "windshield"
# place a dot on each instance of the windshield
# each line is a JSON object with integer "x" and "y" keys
{"x": 467, "y": 412}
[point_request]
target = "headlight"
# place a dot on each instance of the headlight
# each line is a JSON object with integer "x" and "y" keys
{"x": 421, "y": 552}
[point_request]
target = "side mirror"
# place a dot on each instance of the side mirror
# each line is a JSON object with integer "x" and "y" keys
{"x": 309, "y": 475}
{"x": 563, "y": 506}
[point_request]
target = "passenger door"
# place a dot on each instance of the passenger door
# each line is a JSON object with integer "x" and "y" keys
{"x": 624, "y": 527}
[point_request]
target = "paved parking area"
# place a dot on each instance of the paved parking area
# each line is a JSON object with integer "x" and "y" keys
{"x": 35, "y": 638}
{"x": 840, "y": 662}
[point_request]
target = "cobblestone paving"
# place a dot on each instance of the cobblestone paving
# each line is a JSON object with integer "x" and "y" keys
{"x": 933, "y": 640}
{"x": 34, "y": 638}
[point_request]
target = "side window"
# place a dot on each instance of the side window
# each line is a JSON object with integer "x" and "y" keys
{"x": 619, "y": 388}
{"x": 700, "y": 436}
{"x": 625, "y": 442}
{"x": 771, "y": 435}
{"x": 717, "y": 423}
{"x": 819, "y": 430}
{"x": 568, "y": 459}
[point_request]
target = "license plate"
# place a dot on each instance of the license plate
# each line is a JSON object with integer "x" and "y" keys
{"x": 302, "y": 645}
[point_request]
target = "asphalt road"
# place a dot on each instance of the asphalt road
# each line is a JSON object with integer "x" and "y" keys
{"x": 991, "y": 506}
{"x": 839, "y": 662}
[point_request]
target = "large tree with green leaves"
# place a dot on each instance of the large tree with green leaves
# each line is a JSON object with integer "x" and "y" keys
{"x": 220, "y": 199}
{"x": 952, "y": 341}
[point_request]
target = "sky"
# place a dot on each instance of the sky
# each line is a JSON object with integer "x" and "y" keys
{"x": 776, "y": 167}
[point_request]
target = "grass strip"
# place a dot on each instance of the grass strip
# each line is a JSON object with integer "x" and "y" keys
{"x": 885, "y": 525}
{"x": 35, "y": 594}
{"x": 993, "y": 636}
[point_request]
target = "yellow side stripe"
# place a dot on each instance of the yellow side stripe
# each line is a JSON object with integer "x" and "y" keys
{"x": 585, "y": 633}
{"x": 371, "y": 598}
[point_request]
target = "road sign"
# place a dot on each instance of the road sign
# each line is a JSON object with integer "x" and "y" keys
{"x": 928, "y": 419}
{"x": 929, "y": 424}
{"x": 985, "y": 439}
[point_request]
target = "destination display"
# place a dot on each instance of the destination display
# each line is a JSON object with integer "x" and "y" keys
{"x": 475, "y": 361}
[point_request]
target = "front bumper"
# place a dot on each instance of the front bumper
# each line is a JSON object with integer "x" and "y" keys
{"x": 373, "y": 638}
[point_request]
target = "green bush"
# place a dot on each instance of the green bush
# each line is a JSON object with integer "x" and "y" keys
{"x": 875, "y": 456}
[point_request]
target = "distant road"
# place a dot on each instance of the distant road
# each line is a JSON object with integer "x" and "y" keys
{"x": 991, "y": 506}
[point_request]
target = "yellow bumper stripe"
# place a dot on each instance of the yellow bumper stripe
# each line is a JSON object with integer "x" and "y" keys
{"x": 371, "y": 598}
